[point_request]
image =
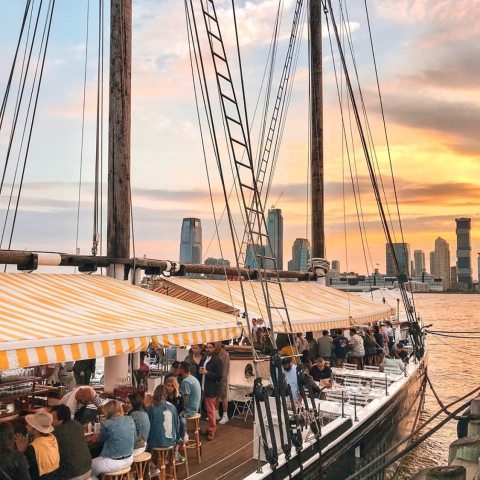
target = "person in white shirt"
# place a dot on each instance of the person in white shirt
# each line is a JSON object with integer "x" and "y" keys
{"x": 357, "y": 352}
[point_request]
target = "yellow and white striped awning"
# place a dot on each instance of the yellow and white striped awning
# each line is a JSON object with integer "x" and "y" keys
{"x": 311, "y": 306}
{"x": 49, "y": 318}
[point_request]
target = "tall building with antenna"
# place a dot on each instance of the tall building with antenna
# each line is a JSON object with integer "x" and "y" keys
{"x": 191, "y": 241}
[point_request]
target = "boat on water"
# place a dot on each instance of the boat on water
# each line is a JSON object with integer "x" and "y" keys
{"x": 328, "y": 437}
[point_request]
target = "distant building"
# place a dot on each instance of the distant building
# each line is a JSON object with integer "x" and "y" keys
{"x": 440, "y": 262}
{"x": 191, "y": 241}
{"x": 419, "y": 262}
{"x": 251, "y": 259}
{"x": 464, "y": 266}
{"x": 453, "y": 275}
{"x": 402, "y": 253}
{"x": 335, "y": 266}
{"x": 300, "y": 255}
{"x": 478, "y": 268}
{"x": 275, "y": 232}
{"x": 217, "y": 262}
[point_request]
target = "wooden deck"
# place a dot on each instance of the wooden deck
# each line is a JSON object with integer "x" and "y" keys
{"x": 228, "y": 456}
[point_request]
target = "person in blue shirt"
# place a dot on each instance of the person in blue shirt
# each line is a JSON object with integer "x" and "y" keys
{"x": 164, "y": 421}
{"x": 291, "y": 376}
{"x": 191, "y": 390}
{"x": 135, "y": 408}
{"x": 118, "y": 437}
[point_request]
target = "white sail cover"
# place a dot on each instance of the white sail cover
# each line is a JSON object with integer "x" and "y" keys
{"x": 311, "y": 306}
{"x": 49, "y": 318}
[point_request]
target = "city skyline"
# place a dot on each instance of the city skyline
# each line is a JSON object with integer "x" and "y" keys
{"x": 428, "y": 67}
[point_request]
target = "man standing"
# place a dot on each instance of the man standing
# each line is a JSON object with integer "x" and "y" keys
{"x": 75, "y": 458}
{"x": 212, "y": 374}
{"x": 340, "y": 345}
{"x": 357, "y": 350}
{"x": 291, "y": 376}
{"x": 223, "y": 397}
{"x": 191, "y": 391}
{"x": 325, "y": 346}
{"x": 83, "y": 371}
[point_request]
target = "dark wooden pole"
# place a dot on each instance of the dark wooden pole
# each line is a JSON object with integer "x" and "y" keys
{"x": 316, "y": 130}
{"x": 118, "y": 226}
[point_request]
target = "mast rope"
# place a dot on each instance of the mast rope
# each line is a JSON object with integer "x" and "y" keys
{"x": 80, "y": 173}
{"x": 35, "y": 85}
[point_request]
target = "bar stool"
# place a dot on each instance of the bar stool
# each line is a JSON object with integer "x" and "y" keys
{"x": 194, "y": 443}
{"x": 177, "y": 463}
{"x": 140, "y": 465}
{"x": 161, "y": 455}
{"x": 123, "y": 474}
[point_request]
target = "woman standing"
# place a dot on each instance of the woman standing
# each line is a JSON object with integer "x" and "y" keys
{"x": 136, "y": 409}
{"x": 13, "y": 464}
{"x": 370, "y": 347}
{"x": 196, "y": 358}
{"x": 118, "y": 437}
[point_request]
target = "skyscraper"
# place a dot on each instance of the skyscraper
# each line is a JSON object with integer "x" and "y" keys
{"x": 275, "y": 232}
{"x": 251, "y": 259}
{"x": 191, "y": 241}
{"x": 402, "y": 252}
{"x": 464, "y": 265}
{"x": 335, "y": 266}
{"x": 300, "y": 255}
{"x": 419, "y": 261}
{"x": 440, "y": 261}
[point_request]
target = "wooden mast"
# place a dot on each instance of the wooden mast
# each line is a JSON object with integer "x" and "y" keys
{"x": 119, "y": 197}
{"x": 316, "y": 129}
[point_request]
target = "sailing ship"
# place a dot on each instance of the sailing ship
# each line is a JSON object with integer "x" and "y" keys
{"x": 330, "y": 438}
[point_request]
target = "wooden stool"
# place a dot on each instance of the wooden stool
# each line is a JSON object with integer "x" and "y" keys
{"x": 141, "y": 464}
{"x": 184, "y": 448}
{"x": 161, "y": 455}
{"x": 195, "y": 442}
{"x": 123, "y": 474}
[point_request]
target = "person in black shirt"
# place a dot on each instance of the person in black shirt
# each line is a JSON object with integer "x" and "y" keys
{"x": 320, "y": 371}
{"x": 13, "y": 464}
{"x": 75, "y": 458}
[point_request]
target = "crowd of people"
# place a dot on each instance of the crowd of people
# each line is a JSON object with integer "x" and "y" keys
{"x": 55, "y": 446}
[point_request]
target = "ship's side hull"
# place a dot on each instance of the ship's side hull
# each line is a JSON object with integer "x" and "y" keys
{"x": 362, "y": 443}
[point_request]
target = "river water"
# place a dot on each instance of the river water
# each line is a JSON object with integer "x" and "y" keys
{"x": 453, "y": 367}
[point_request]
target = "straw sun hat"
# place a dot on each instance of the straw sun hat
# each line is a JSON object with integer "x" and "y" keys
{"x": 41, "y": 421}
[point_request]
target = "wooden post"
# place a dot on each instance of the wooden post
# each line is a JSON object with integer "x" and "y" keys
{"x": 119, "y": 197}
{"x": 118, "y": 227}
{"x": 316, "y": 126}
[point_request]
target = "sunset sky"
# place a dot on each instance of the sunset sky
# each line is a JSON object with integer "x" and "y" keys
{"x": 427, "y": 54}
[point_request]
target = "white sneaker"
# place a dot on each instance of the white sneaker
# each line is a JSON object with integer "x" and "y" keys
{"x": 218, "y": 416}
{"x": 155, "y": 472}
{"x": 224, "y": 420}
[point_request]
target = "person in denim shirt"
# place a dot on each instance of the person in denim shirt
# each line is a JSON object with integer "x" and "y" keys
{"x": 136, "y": 409}
{"x": 118, "y": 436}
{"x": 164, "y": 421}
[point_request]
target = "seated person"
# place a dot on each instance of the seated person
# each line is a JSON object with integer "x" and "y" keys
{"x": 164, "y": 421}
{"x": 75, "y": 458}
{"x": 117, "y": 435}
{"x": 135, "y": 408}
{"x": 174, "y": 372}
{"x": 77, "y": 401}
{"x": 321, "y": 373}
{"x": 42, "y": 454}
{"x": 309, "y": 382}
{"x": 191, "y": 391}
{"x": 398, "y": 352}
{"x": 14, "y": 463}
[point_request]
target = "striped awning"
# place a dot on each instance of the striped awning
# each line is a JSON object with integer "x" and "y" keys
{"x": 49, "y": 318}
{"x": 311, "y": 306}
